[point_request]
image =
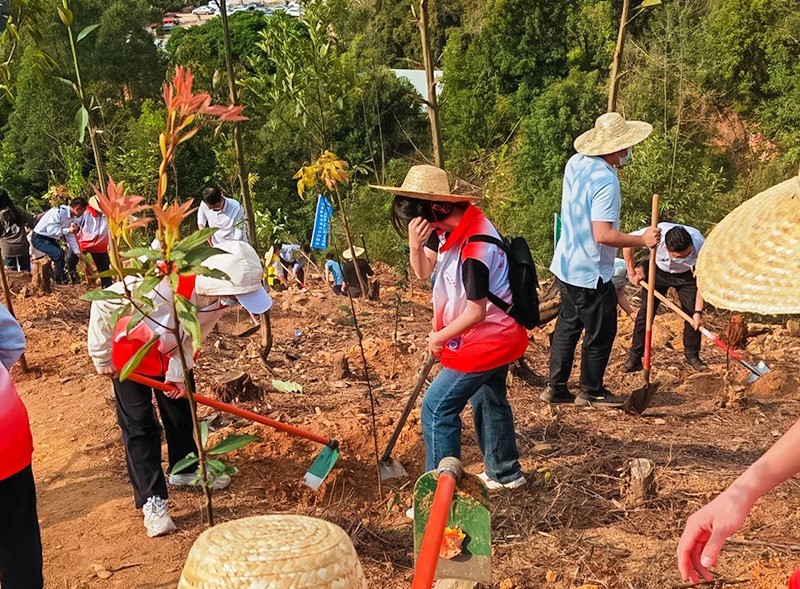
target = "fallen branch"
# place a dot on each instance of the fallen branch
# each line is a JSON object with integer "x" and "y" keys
{"x": 764, "y": 543}
{"x": 712, "y": 583}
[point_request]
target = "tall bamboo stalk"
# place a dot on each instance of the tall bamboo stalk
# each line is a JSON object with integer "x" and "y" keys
{"x": 432, "y": 102}
{"x": 614, "y": 81}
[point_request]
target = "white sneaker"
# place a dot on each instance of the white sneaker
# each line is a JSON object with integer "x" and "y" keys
{"x": 190, "y": 479}
{"x": 156, "y": 519}
{"x": 410, "y": 512}
{"x": 493, "y": 485}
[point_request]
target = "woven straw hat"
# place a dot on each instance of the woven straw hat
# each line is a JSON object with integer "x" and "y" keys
{"x": 611, "y": 134}
{"x": 348, "y": 256}
{"x": 273, "y": 552}
{"x": 751, "y": 260}
{"x": 425, "y": 182}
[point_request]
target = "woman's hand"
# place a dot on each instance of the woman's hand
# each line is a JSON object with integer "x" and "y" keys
{"x": 178, "y": 392}
{"x": 706, "y": 531}
{"x": 419, "y": 230}
{"x": 435, "y": 343}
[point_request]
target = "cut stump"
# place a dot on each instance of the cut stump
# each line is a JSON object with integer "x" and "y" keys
{"x": 235, "y": 385}
{"x": 642, "y": 481}
{"x": 42, "y": 276}
{"x": 341, "y": 368}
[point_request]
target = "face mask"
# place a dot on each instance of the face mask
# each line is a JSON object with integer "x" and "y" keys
{"x": 626, "y": 158}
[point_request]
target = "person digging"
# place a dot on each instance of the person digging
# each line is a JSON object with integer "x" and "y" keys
{"x": 110, "y": 348}
{"x": 473, "y": 338}
{"x": 583, "y": 261}
{"x": 676, "y": 256}
{"x": 350, "y": 276}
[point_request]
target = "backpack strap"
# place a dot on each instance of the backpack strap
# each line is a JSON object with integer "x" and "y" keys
{"x": 494, "y": 299}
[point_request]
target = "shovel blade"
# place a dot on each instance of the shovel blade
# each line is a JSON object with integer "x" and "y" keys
{"x": 321, "y": 467}
{"x": 640, "y": 399}
{"x": 761, "y": 368}
{"x": 470, "y": 512}
{"x": 391, "y": 469}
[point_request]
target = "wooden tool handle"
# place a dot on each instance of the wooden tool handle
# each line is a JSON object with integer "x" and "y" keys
{"x": 651, "y": 280}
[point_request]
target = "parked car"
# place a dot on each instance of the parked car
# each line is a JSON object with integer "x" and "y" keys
{"x": 265, "y": 10}
{"x": 236, "y": 9}
{"x": 167, "y": 23}
{"x": 253, "y": 6}
{"x": 205, "y": 10}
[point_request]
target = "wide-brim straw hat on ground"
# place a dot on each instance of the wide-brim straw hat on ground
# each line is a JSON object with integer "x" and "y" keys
{"x": 612, "y": 133}
{"x": 275, "y": 552}
{"x": 349, "y": 256}
{"x": 751, "y": 260}
{"x": 425, "y": 182}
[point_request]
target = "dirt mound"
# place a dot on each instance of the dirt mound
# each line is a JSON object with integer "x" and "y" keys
{"x": 776, "y": 384}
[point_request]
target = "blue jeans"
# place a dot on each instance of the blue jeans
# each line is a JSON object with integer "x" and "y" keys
{"x": 51, "y": 247}
{"x": 494, "y": 422}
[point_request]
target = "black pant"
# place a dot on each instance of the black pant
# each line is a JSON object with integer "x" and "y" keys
{"x": 142, "y": 436}
{"x": 72, "y": 266}
{"x": 20, "y": 542}
{"x": 101, "y": 261}
{"x": 595, "y": 311}
{"x": 685, "y": 284}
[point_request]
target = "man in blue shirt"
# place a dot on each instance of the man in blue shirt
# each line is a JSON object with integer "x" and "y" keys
{"x": 333, "y": 273}
{"x": 583, "y": 262}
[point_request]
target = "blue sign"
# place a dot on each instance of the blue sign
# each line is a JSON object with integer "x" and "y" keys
{"x": 322, "y": 223}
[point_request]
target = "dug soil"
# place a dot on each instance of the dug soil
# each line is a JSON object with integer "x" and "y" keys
{"x": 573, "y": 525}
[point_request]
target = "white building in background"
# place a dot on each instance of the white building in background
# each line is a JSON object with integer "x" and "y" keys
{"x": 417, "y": 79}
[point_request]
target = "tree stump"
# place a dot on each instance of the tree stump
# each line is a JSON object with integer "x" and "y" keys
{"x": 235, "y": 385}
{"x": 549, "y": 303}
{"x": 42, "y": 276}
{"x": 341, "y": 368}
{"x": 642, "y": 481}
{"x": 374, "y": 290}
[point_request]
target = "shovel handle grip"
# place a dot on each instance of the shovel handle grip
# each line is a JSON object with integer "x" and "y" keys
{"x": 428, "y": 557}
{"x": 227, "y": 408}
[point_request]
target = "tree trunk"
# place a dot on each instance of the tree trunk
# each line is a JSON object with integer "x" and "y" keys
{"x": 432, "y": 103}
{"x": 235, "y": 385}
{"x": 612, "y": 91}
{"x": 266, "y": 336}
{"x": 42, "y": 276}
{"x": 244, "y": 184}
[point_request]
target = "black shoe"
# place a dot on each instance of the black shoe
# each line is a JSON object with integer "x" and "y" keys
{"x": 696, "y": 363}
{"x": 633, "y": 364}
{"x": 605, "y": 399}
{"x": 556, "y": 396}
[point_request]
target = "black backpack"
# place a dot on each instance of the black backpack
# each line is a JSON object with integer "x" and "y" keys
{"x": 524, "y": 307}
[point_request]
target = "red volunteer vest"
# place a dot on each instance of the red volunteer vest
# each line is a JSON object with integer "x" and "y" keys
{"x": 125, "y": 345}
{"x": 16, "y": 442}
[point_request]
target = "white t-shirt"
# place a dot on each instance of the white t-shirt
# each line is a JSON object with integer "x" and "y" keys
{"x": 229, "y": 221}
{"x": 55, "y": 224}
{"x": 664, "y": 261}
{"x": 590, "y": 193}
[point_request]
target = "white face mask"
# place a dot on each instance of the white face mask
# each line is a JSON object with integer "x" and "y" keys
{"x": 626, "y": 158}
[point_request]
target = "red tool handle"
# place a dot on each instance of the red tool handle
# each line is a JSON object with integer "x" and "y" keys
{"x": 428, "y": 558}
{"x": 651, "y": 278}
{"x": 227, "y": 408}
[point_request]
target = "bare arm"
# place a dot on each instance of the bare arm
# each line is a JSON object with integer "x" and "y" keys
{"x": 707, "y": 530}
{"x": 605, "y": 234}
{"x": 472, "y": 315}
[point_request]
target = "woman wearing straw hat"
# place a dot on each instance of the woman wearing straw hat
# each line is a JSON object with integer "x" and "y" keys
{"x": 583, "y": 262}
{"x": 760, "y": 238}
{"x": 474, "y": 339}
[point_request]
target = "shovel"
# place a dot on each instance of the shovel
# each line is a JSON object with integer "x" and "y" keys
{"x": 318, "y": 470}
{"x": 449, "y": 498}
{"x": 640, "y": 399}
{"x": 391, "y": 468}
{"x": 757, "y": 370}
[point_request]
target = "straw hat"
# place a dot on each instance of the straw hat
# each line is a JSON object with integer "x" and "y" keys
{"x": 426, "y": 183}
{"x": 94, "y": 203}
{"x": 751, "y": 260}
{"x": 275, "y": 552}
{"x": 611, "y": 134}
{"x": 348, "y": 256}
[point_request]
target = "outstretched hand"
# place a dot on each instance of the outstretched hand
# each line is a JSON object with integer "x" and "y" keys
{"x": 705, "y": 533}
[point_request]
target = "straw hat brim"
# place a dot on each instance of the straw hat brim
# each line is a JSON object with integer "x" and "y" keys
{"x": 359, "y": 252}
{"x": 751, "y": 260}
{"x": 589, "y": 143}
{"x": 426, "y": 195}
{"x": 94, "y": 203}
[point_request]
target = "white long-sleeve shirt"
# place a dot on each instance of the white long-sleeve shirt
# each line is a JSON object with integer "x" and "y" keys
{"x": 160, "y": 322}
{"x": 229, "y": 221}
{"x": 55, "y": 224}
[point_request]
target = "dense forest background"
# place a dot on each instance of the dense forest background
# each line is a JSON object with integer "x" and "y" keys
{"x": 718, "y": 79}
